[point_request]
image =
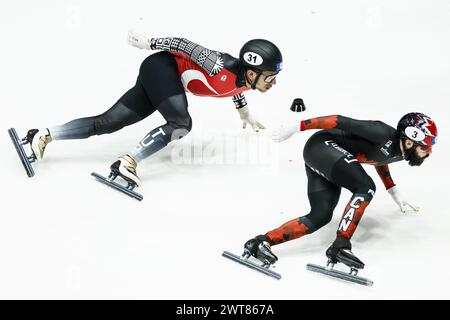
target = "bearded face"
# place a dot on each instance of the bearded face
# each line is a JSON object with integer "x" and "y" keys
{"x": 415, "y": 155}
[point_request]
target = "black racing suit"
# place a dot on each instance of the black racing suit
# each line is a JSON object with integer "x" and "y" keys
{"x": 163, "y": 79}
{"x": 333, "y": 160}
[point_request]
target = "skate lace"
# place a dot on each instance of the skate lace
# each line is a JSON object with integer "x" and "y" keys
{"x": 129, "y": 166}
{"x": 131, "y": 169}
{"x": 43, "y": 141}
{"x": 266, "y": 246}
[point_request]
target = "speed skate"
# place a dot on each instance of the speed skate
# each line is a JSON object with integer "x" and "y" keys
{"x": 244, "y": 259}
{"x": 330, "y": 271}
{"x": 110, "y": 181}
{"x": 24, "y": 158}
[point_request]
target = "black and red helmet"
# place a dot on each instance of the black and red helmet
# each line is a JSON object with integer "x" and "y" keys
{"x": 419, "y": 128}
{"x": 261, "y": 55}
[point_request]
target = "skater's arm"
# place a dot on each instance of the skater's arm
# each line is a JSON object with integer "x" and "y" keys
{"x": 375, "y": 131}
{"x": 332, "y": 122}
{"x": 211, "y": 61}
{"x": 328, "y": 122}
{"x": 385, "y": 175}
{"x": 244, "y": 113}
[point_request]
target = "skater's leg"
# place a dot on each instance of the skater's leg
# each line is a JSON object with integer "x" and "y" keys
{"x": 153, "y": 85}
{"x": 323, "y": 198}
{"x": 340, "y": 167}
{"x": 161, "y": 81}
{"x": 353, "y": 177}
{"x": 132, "y": 107}
{"x": 161, "y": 85}
{"x": 179, "y": 123}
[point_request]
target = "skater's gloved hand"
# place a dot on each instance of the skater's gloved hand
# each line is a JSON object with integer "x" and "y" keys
{"x": 284, "y": 132}
{"x": 404, "y": 205}
{"x": 138, "y": 40}
{"x": 247, "y": 118}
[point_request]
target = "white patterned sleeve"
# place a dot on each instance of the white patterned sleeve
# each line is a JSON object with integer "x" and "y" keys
{"x": 211, "y": 61}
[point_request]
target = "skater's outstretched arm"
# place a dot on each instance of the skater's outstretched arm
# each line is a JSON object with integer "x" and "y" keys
{"x": 211, "y": 61}
{"x": 374, "y": 131}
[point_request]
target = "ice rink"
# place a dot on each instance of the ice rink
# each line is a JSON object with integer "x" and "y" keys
{"x": 65, "y": 236}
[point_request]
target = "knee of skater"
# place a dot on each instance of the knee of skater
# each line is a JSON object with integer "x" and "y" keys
{"x": 323, "y": 221}
{"x": 316, "y": 220}
{"x": 178, "y": 134}
{"x": 366, "y": 187}
{"x": 181, "y": 128}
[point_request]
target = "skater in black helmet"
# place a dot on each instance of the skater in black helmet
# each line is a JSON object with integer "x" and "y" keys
{"x": 333, "y": 158}
{"x": 164, "y": 77}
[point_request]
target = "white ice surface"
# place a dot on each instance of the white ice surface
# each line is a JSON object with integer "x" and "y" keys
{"x": 62, "y": 235}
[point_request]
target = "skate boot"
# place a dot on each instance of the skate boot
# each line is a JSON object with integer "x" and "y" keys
{"x": 260, "y": 248}
{"x": 38, "y": 140}
{"x": 340, "y": 251}
{"x": 125, "y": 167}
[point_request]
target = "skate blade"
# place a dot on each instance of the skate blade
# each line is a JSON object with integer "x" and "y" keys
{"x": 117, "y": 186}
{"x": 339, "y": 274}
{"x": 21, "y": 152}
{"x": 250, "y": 264}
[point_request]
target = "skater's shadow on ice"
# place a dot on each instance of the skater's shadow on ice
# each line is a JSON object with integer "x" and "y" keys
{"x": 368, "y": 231}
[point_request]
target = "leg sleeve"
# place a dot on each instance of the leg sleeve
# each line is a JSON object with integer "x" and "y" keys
{"x": 323, "y": 198}
{"x": 179, "y": 123}
{"x": 354, "y": 178}
{"x": 132, "y": 107}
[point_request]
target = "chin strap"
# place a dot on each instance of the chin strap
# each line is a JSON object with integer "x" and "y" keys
{"x": 411, "y": 156}
{"x": 253, "y": 84}
{"x": 408, "y": 152}
{"x": 256, "y": 80}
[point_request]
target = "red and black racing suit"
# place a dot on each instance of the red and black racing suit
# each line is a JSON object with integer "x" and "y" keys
{"x": 333, "y": 159}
